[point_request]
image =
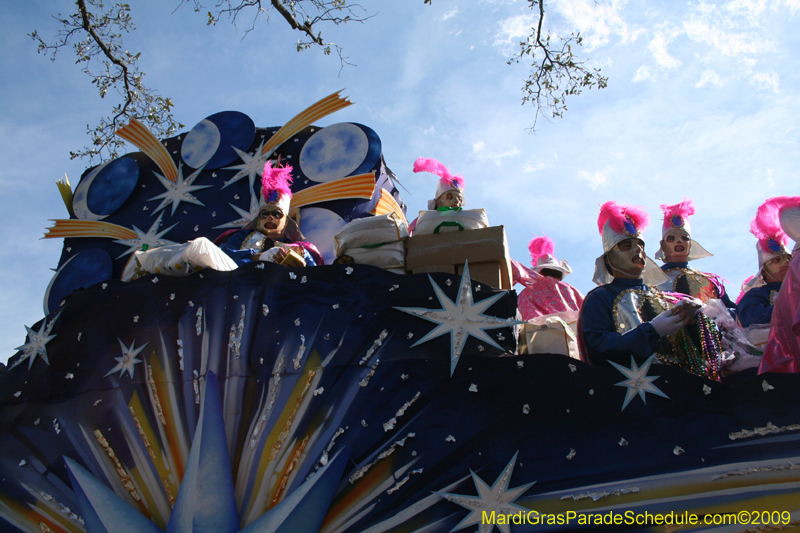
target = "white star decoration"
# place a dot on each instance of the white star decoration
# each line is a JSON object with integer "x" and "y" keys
{"x": 461, "y": 319}
{"x": 128, "y": 360}
{"x": 151, "y": 238}
{"x": 36, "y": 344}
{"x": 178, "y": 191}
{"x": 638, "y": 381}
{"x": 495, "y": 499}
{"x": 252, "y": 165}
{"x": 246, "y": 216}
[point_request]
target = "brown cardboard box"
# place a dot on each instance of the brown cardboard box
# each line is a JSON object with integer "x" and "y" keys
{"x": 486, "y": 251}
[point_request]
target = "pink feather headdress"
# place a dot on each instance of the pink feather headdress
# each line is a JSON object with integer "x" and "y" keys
{"x": 627, "y": 219}
{"x": 540, "y": 246}
{"x": 447, "y": 180}
{"x": 675, "y": 215}
{"x": 276, "y": 183}
{"x": 766, "y": 226}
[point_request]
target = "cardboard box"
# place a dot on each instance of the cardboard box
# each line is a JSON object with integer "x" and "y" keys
{"x": 486, "y": 251}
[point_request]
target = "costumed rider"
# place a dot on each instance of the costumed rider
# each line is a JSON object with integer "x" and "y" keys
{"x": 627, "y": 317}
{"x": 272, "y": 236}
{"x": 782, "y": 351}
{"x": 545, "y": 293}
{"x": 759, "y": 291}
{"x": 449, "y": 190}
{"x": 677, "y": 249}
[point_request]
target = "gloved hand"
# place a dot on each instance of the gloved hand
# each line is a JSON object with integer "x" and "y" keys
{"x": 269, "y": 255}
{"x": 667, "y": 323}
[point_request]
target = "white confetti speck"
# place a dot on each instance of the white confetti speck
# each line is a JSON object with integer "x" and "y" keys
{"x": 37, "y": 421}
{"x": 235, "y": 196}
{"x": 191, "y": 303}
{"x": 478, "y": 288}
{"x": 706, "y": 390}
{"x": 136, "y": 318}
{"x": 572, "y": 368}
{"x": 571, "y": 454}
{"x": 526, "y": 409}
{"x": 622, "y": 442}
{"x": 79, "y": 335}
{"x": 327, "y": 336}
{"x": 450, "y": 438}
{"x": 296, "y": 321}
{"x": 448, "y": 282}
{"x": 155, "y": 280}
{"x": 197, "y": 228}
{"x": 500, "y": 337}
{"x": 292, "y": 275}
{"x": 591, "y": 392}
{"x": 335, "y": 306}
{"x": 319, "y": 391}
{"x": 172, "y": 296}
{"x": 303, "y": 279}
{"x": 520, "y": 364}
{"x": 364, "y": 423}
{"x": 265, "y": 309}
{"x": 473, "y": 388}
{"x": 18, "y": 394}
{"x": 69, "y": 375}
{"x": 481, "y": 348}
{"x": 677, "y": 450}
{"x": 766, "y": 386}
{"x": 410, "y": 335}
{"x": 414, "y": 453}
{"x": 404, "y": 376}
{"x": 235, "y": 296}
{"x": 394, "y": 288}
{"x": 104, "y": 285}
{"x": 97, "y": 402}
{"x": 22, "y": 463}
{"x": 349, "y": 270}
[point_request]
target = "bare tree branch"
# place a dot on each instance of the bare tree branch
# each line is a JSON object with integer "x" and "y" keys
{"x": 556, "y": 72}
{"x": 101, "y": 46}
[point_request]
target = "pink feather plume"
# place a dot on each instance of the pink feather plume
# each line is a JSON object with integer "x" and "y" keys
{"x": 683, "y": 210}
{"x": 540, "y": 246}
{"x": 424, "y": 164}
{"x": 277, "y": 179}
{"x": 617, "y": 215}
{"x": 767, "y": 225}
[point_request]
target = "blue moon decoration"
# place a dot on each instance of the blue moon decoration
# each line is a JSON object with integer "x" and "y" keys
{"x": 105, "y": 189}
{"x": 80, "y": 271}
{"x": 338, "y": 151}
{"x": 320, "y": 226}
{"x": 211, "y": 142}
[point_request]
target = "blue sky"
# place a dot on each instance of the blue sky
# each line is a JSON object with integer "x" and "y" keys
{"x": 702, "y": 102}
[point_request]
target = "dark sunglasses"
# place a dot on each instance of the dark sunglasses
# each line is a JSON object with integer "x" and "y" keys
{"x": 277, "y": 214}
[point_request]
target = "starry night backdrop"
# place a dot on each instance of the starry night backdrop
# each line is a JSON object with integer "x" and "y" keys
{"x": 329, "y": 398}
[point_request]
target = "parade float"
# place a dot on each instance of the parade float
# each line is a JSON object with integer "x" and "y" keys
{"x": 345, "y": 397}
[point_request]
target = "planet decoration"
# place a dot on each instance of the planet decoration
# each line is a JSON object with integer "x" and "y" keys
{"x": 212, "y": 141}
{"x": 105, "y": 189}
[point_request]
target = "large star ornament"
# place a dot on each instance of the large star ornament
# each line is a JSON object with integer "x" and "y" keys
{"x": 128, "y": 361}
{"x": 36, "y": 345}
{"x": 152, "y": 238}
{"x": 495, "y": 499}
{"x": 638, "y": 381}
{"x": 460, "y": 319}
{"x": 252, "y": 165}
{"x": 244, "y": 216}
{"x": 179, "y": 190}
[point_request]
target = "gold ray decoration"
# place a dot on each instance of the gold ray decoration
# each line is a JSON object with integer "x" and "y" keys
{"x": 326, "y": 106}
{"x": 360, "y": 186}
{"x": 66, "y": 192}
{"x": 387, "y": 204}
{"x": 137, "y": 134}
{"x": 87, "y": 228}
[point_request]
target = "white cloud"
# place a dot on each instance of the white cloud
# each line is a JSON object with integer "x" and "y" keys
{"x": 764, "y": 178}
{"x": 643, "y": 73}
{"x": 658, "y": 46}
{"x": 709, "y": 77}
{"x": 430, "y": 130}
{"x": 767, "y": 80}
{"x": 450, "y": 14}
{"x": 595, "y": 179}
{"x": 481, "y": 153}
{"x": 793, "y": 5}
{"x": 597, "y": 22}
{"x": 533, "y": 166}
{"x": 512, "y": 31}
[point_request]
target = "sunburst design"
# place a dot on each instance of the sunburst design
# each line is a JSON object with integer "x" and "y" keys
{"x": 151, "y": 238}
{"x": 37, "y": 343}
{"x": 494, "y": 500}
{"x": 252, "y": 165}
{"x": 460, "y": 319}
{"x": 128, "y": 361}
{"x": 179, "y": 190}
{"x": 638, "y": 381}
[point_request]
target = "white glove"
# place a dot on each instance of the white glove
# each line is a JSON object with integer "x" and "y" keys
{"x": 667, "y": 323}
{"x": 269, "y": 255}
